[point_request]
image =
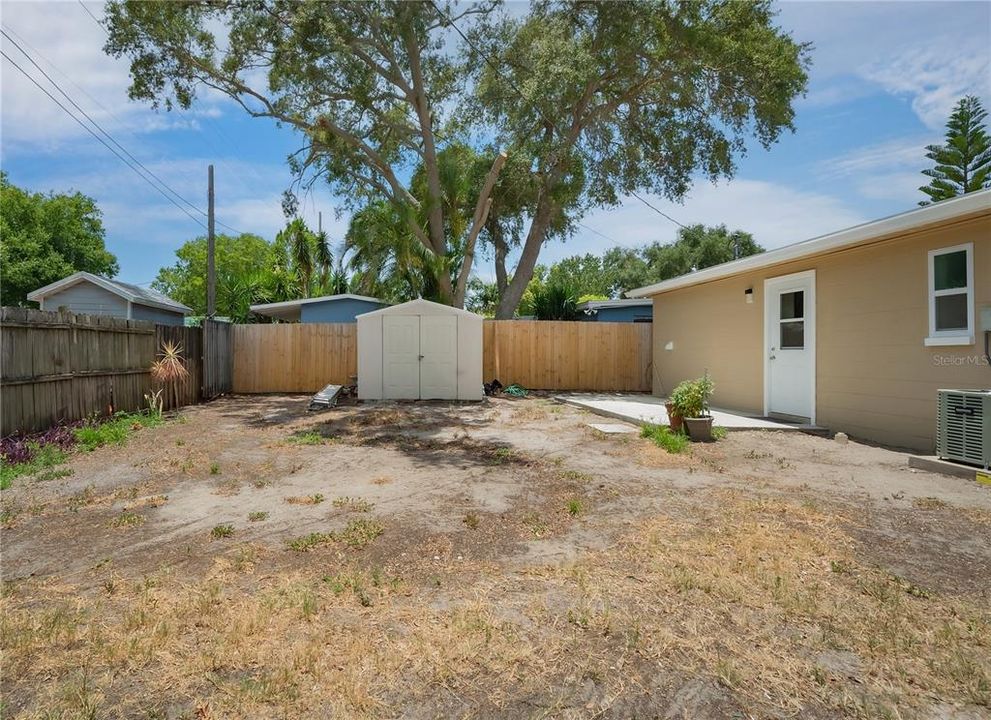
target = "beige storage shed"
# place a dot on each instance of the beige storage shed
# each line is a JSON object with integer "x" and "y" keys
{"x": 420, "y": 350}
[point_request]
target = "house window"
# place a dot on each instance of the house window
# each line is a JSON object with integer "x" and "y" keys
{"x": 951, "y": 295}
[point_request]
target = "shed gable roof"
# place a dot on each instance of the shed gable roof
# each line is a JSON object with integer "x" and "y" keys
{"x": 414, "y": 306}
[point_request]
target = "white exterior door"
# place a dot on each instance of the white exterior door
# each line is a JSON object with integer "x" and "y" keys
{"x": 789, "y": 339}
{"x": 401, "y": 357}
{"x": 438, "y": 357}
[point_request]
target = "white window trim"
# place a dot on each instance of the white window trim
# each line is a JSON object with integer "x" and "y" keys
{"x": 951, "y": 337}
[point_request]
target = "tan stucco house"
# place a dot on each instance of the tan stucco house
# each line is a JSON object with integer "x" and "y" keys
{"x": 854, "y": 331}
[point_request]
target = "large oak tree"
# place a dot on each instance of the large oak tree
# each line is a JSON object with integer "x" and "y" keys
{"x": 598, "y": 99}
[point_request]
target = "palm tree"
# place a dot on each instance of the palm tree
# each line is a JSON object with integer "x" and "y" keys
{"x": 323, "y": 258}
{"x": 386, "y": 259}
{"x": 300, "y": 250}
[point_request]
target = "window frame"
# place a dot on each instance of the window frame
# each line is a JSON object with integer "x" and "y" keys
{"x": 955, "y": 336}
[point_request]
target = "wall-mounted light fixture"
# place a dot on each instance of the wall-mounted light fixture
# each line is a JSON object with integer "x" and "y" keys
{"x": 749, "y": 295}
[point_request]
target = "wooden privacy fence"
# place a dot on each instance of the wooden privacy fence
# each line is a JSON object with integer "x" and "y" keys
{"x": 549, "y": 355}
{"x": 294, "y": 357}
{"x": 217, "y": 357}
{"x": 58, "y": 366}
{"x": 536, "y": 354}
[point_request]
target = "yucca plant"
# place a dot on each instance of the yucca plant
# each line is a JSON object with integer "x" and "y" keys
{"x": 169, "y": 370}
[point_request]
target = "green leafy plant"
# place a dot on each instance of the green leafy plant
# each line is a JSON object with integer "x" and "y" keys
{"x": 665, "y": 437}
{"x": 222, "y": 531}
{"x": 691, "y": 397}
{"x": 555, "y": 301}
{"x": 306, "y": 438}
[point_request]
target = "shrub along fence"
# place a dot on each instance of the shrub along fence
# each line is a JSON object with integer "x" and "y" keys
{"x": 536, "y": 354}
{"x": 59, "y": 366}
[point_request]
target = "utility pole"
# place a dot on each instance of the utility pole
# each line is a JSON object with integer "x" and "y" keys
{"x": 319, "y": 221}
{"x": 211, "y": 270}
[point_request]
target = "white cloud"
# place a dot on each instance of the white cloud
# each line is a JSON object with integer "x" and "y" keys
{"x": 931, "y": 53}
{"x": 936, "y": 76}
{"x": 65, "y": 42}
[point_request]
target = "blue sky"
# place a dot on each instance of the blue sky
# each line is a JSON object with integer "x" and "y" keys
{"x": 884, "y": 77}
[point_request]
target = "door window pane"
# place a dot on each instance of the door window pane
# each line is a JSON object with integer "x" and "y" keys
{"x": 793, "y": 305}
{"x": 793, "y": 334}
{"x": 950, "y": 270}
{"x": 951, "y": 312}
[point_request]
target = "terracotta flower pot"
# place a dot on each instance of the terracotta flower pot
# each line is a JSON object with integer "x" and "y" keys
{"x": 674, "y": 419}
{"x": 699, "y": 429}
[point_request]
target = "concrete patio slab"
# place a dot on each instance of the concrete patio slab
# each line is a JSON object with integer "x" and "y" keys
{"x": 613, "y": 428}
{"x": 641, "y": 409}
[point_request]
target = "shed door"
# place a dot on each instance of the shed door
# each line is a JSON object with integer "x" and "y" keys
{"x": 439, "y": 357}
{"x": 401, "y": 357}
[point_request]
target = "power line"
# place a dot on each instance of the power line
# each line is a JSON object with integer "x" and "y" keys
{"x": 90, "y": 13}
{"x": 110, "y": 137}
{"x": 514, "y": 86}
{"x": 87, "y": 128}
{"x": 214, "y": 128}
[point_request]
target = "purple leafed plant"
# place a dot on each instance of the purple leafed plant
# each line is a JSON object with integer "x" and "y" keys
{"x": 17, "y": 449}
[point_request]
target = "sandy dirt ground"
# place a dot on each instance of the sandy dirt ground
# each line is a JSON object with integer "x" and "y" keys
{"x": 501, "y": 559}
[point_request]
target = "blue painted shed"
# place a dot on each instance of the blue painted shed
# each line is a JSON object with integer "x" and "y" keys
{"x": 623, "y": 310}
{"x": 325, "y": 309}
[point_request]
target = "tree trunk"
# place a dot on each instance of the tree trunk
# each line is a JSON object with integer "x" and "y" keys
{"x": 510, "y": 299}
{"x": 501, "y": 250}
{"x": 482, "y": 208}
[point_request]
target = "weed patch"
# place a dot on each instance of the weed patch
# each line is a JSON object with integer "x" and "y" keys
{"x": 353, "y": 504}
{"x": 114, "y": 431}
{"x": 220, "y": 532}
{"x": 310, "y": 437}
{"x": 314, "y": 499}
{"x": 359, "y": 533}
{"x": 663, "y": 436}
{"x": 257, "y": 515}
{"x": 929, "y": 503}
{"x": 127, "y": 519}
{"x": 40, "y": 463}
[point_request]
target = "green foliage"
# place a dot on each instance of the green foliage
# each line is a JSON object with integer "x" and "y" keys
{"x": 622, "y": 269}
{"x": 222, "y": 531}
{"x": 43, "y": 458}
{"x": 482, "y": 297}
{"x": 691, "y": 397}
{"x": 114, "y": 431}
{"x": 244, "y": 274}
{"x": 47, "y": 237}
{"x": 555, "y": 301}
{"x": 310, "y": 437}
{"x": 963, "y": 162}
{"x": 663, "y": 436}
{"x": 640, "y": 96}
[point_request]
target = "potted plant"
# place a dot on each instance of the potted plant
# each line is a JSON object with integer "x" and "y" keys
{"x": 691, "y": 401}
{"x": 674, "y": 417}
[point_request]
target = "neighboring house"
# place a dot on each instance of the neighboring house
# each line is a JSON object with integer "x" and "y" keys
{"x": 89, "y": 294}
{"x": 625, "y": 310}
{"x": 326, "y": 309}
{"x": 854, "y": 331}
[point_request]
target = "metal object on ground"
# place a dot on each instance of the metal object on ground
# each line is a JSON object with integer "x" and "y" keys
{"x": 326, "y": 398}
